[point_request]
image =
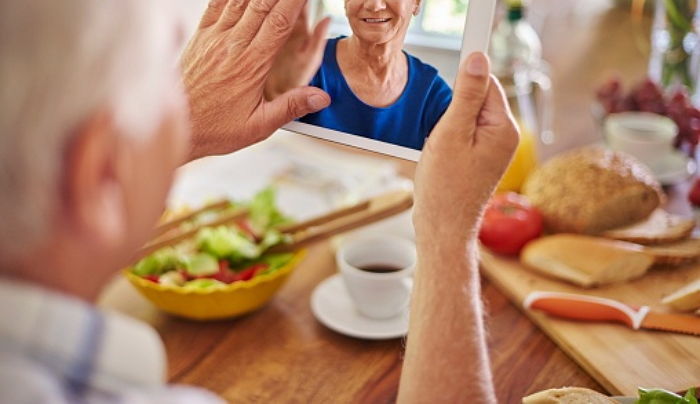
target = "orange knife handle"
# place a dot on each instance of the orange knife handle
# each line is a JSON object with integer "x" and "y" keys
{"x": 587, "y": 308}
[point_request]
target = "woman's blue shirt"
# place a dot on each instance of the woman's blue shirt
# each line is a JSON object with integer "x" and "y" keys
{"x": 407, "y": 122}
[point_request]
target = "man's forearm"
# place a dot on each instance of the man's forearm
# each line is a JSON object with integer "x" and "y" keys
{"x": 446, "y": 356}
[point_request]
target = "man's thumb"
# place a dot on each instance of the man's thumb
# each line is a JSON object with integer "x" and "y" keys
{"x": 294, "y": 104}
{"x": 470, "y": 90}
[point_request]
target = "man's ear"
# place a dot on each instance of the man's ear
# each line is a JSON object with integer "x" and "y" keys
{"x": 416, "y": 8}
{"x": 94, "y": 204}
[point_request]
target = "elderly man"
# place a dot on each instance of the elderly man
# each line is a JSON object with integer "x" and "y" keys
{"x": 93, "y": 120}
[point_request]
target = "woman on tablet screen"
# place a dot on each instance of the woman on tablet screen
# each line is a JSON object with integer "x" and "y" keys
{"x": 377, "y": 90}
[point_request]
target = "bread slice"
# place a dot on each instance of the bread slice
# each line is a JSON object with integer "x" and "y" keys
{"x": 592, "y": 190}
{"x": 568, "y": 395}
{"x": 675, "y": 254}
{"x": 586, "y": 261}
{"x": 686, "y": 298}
{"x": 659, "y": 227}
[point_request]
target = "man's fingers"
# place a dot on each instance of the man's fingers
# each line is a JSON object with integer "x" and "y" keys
{"x": 212, "y": 13}
{"x": 292, "y": 105}
{"x": 276, "y": 28}
{"x": 496, "y": 123}
{"x": 469, "y": 92}
{"x": 232, "y": 14}
{"x": 495, "y": 111}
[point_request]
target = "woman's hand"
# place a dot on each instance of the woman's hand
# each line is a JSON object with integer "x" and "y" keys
{"x": 464, "y": 158}
{"x": 225, "y": 68}
{"x": 300, "y": 58}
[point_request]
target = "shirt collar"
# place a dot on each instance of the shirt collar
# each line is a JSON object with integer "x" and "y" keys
{"x": 78, "y": 342}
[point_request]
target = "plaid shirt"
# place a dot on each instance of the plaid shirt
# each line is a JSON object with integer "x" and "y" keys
{"x": 58, "y": 349}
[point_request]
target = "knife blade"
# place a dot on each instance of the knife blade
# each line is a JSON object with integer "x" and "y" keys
{"x": 592, "y": 308}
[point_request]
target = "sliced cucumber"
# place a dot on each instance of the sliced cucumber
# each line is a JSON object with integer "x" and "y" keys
{"x": 202, "y": 264}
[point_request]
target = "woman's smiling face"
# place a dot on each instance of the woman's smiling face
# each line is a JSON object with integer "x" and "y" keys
{"x": 380, "y": 21}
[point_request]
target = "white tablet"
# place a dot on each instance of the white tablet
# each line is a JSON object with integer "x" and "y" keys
{"x": 391, "y": 107}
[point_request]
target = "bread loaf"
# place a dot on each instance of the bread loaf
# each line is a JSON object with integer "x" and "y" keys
{"x": 591, "y": 190}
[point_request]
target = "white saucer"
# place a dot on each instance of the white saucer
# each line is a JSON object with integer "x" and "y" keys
{"x": 674, "y": 168}
{"x": 332, "y": 306}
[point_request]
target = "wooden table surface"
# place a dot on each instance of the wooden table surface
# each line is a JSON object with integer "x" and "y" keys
{"x": 282, "y": 354}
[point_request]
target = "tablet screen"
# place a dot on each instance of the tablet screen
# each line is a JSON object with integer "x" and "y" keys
{"x": 389, "y": 67}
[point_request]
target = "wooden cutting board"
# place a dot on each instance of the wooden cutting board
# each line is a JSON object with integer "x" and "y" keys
{"x": 619, "y": 358}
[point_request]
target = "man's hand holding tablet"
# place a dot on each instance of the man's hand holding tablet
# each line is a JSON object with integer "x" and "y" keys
{"x": 467, "y": 153}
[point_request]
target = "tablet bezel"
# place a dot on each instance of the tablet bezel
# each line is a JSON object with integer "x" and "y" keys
{"x": 476, "y": 37}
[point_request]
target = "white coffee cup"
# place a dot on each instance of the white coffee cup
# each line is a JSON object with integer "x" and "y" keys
{"x": 378, "y": 295}
{"x": 646, "y": 136}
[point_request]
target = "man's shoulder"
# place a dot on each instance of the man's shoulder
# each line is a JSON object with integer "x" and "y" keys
{"x": 25, "y": 381}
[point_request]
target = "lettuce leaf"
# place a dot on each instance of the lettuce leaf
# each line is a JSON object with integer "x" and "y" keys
{"x": 272, "y": 238}
{"x": 202, "y": 264}
{"x": 276, "y": 261}
{"x": 660, "y": 396}
{"x": 164, "y": 260}
{"x": 263, "y": 211}
{"x": 204, "y": 283}
{"x": 226, "y": 243}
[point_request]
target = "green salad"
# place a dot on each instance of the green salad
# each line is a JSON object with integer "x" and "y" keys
{"x": 222, "y": 255}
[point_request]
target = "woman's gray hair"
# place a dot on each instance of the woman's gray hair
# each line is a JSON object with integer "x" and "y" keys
{"x": 60, "y": 62}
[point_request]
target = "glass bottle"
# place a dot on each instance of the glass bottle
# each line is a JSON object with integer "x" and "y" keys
{"x": 516, "y": 58}
{"x": 675, "y": 55}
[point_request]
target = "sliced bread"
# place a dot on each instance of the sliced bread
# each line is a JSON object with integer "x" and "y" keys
{"x": 659, "y": 227}
{"x": 675, "y": 254}
{"x": 586, "y": 261}
{"x": 686, "y": 298}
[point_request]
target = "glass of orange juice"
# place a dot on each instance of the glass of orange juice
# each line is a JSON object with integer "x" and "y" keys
{"x": 523, "y": 163}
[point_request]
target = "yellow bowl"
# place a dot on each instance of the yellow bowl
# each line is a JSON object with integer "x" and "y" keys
{"x": 227, "y": 301}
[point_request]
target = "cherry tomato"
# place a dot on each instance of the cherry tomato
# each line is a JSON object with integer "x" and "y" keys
{"x": 249, "y": 272}
{"x": 694, "y": 195}
{"x": 224, "y": 275}
{"x": 152, "y": 278}
{"x": 509, "y": 223}
{"x": 227, "y": 275}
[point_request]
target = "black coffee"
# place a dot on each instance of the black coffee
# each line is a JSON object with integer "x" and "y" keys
{"x": 380, "y": 268}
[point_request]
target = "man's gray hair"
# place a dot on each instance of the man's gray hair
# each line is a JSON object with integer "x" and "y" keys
{"x": 60, "y": 62}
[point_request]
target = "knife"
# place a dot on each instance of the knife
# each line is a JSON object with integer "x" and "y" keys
{"x": 591, "y": 308}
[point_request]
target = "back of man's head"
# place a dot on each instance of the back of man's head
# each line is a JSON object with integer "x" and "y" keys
{"x": 60, "y": 62}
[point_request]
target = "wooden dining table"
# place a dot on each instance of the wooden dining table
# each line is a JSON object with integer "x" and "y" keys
{"x": 281, "y": 353}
